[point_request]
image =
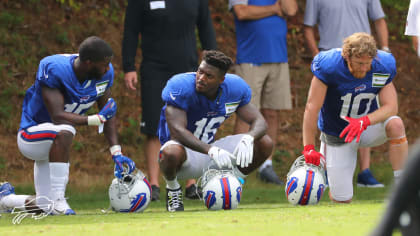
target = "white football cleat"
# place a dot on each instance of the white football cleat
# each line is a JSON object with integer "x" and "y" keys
{"x": 61, "y": 207}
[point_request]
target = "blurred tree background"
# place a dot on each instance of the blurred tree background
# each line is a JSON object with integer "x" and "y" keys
{"x": 33, "y": 29}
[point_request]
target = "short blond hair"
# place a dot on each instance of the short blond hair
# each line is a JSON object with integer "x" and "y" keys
{"x": 358, "y": 45}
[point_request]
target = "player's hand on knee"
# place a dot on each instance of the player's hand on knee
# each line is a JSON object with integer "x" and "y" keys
{"x": 313, "y": 157}
{"x": 123, "y": 164}
{"x": 355, "y": 128}
{"x": 106, "y": 113}
{"x": 222, "y": 157}
{"x": 244, "y": 151}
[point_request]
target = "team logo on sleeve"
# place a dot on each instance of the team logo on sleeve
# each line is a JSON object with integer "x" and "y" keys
{"x": 174, "y": 94}
{"x": 45, "y": 75}
{"x": 379, "y": 80}
{"x": 173, "y": 97}
{"x": 101, "y": 87}
{"x": 314, "y": 67}
{"x": 231, "y": 107}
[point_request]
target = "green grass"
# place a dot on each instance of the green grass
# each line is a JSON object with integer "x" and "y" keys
{"x": 265, "y": 219}
{"x": 264, "y": 210}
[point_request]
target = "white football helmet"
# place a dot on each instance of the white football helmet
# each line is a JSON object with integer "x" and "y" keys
{"x": 305, "y": 183}
{"x": 131, "y": 193}
{"x": 221, "y": 189}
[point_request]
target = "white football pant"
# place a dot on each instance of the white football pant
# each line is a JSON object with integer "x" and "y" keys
{"x": 197, "y": 163}
{"x": 342, "y": 159}
{"x": 35, "y": 144}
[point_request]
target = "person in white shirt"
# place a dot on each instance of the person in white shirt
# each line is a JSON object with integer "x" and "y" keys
{"x": 412, "y": 28}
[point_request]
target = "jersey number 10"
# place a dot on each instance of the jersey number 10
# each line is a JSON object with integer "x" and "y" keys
{"x": 354, "y": 113}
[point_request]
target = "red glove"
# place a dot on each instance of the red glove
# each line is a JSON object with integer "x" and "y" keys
{"x": 355, "y": 127}
{"x": 311, "y": 156}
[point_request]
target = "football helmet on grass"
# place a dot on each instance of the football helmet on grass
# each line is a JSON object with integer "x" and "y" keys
{"x": 305, "y": 183}
{"x": 221, "y": 189}
{"x": 131, "y": 193}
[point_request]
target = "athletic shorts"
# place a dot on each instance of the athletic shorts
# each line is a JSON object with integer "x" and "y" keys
{"x": 35, "y": 142}
{"x": 342, "y": 159}
{"x": 152, "y": 82}
{"x": 197, "y": 163}
{"x": 270, "y": 84}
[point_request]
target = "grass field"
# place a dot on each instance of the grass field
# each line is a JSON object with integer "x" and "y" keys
{"x": 264, "y": 210}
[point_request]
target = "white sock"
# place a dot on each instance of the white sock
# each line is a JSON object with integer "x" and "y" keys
{"x": 397, "y": 176}
{"x": 268, "y": 162}
{"x": 42, "y": 181}
{"x": 59, "y": 179}
{"x": 12, "y": 200}
{"x": 172, "y": 184}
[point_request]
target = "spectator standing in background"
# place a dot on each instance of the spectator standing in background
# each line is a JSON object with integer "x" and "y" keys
{"x": 168, "y": 43}
{"x": 337, "y": 20}
{"x": 413, "y": 23}
{"x": 261, "y": 31}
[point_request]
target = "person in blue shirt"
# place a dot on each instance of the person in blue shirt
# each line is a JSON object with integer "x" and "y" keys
{"x": 342, "y": 99}
{"x": 196, "y": 104}
{"x": 66, "y": 86}
{"x": 261, "y": 39}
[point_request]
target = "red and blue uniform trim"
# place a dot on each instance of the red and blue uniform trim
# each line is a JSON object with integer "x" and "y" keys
{"x": 38, "y": 135}
{"x": 307, "y": 188}
{"x": 148, "y": 184}
{"x": 227, "y": 202}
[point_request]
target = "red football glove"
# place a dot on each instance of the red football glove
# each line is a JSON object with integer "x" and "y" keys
{"x": 311, "y": 156}
{"x": 355, "y": 127}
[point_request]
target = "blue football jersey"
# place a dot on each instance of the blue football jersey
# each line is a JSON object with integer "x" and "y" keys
{"x": 347, "y": 95}
{"x": 57, "y": 72}
{"x": 204, "y": 116}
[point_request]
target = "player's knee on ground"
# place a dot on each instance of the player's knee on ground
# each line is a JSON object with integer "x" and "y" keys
{"x": 395, "y": 128}
{"x": 340, "y": 199}
{"x": 264, "y": 147}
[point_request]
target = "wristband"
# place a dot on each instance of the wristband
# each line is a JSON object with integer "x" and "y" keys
{"x": 95, "y": 120}
{"x": 115, "y": 150}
